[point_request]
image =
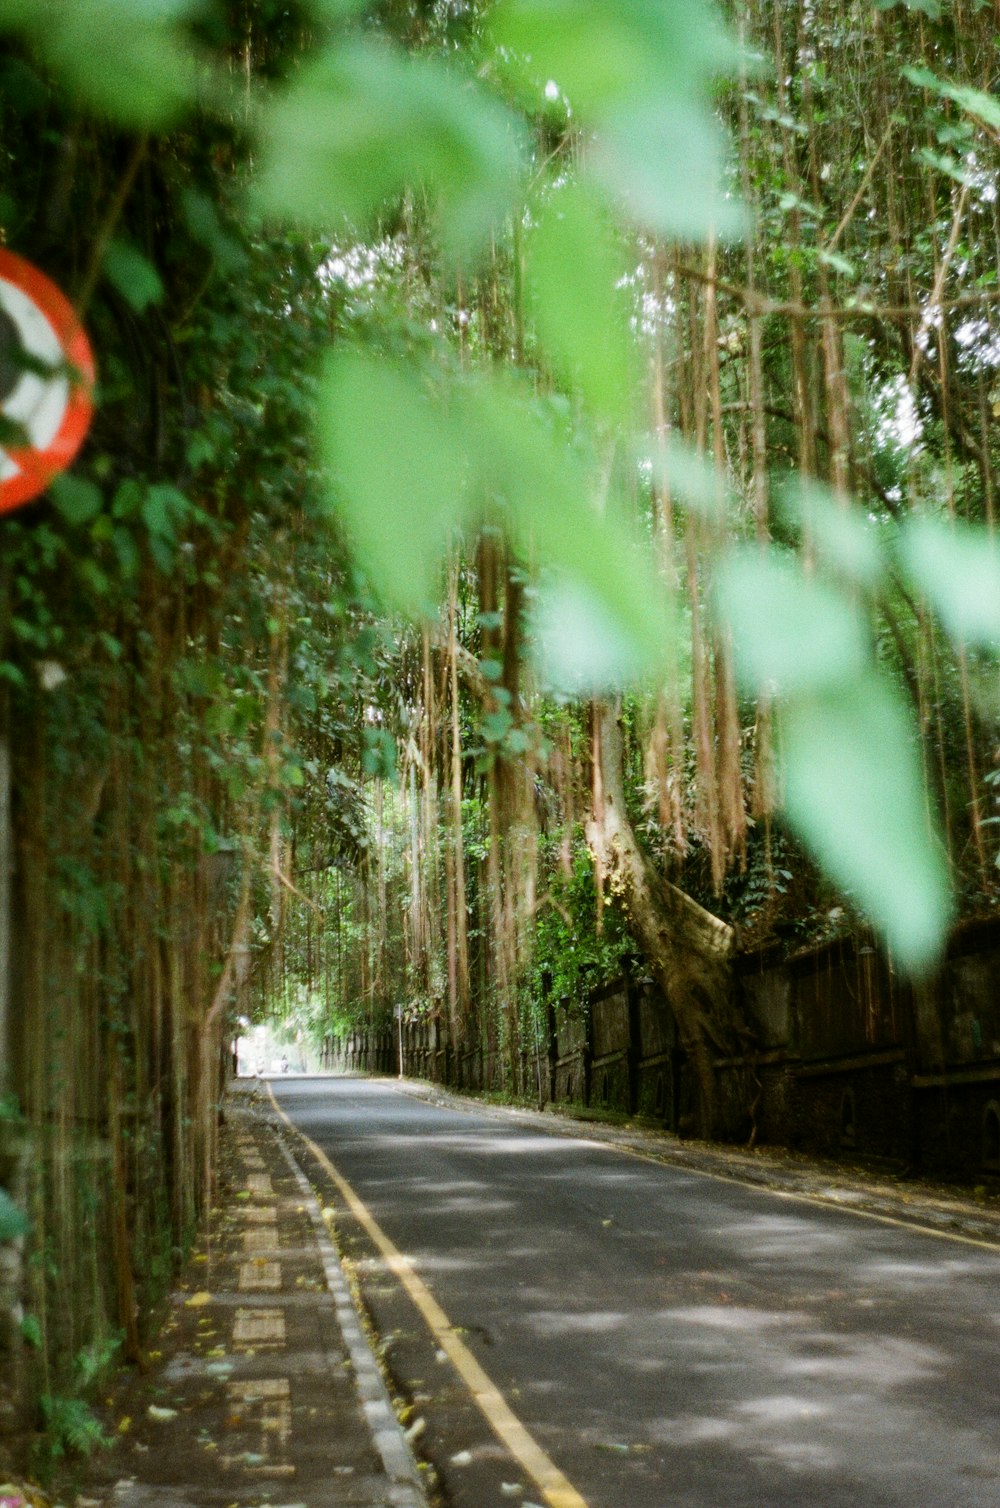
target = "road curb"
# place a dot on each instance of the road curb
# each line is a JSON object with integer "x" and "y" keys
{"x": 406, "y": 1489}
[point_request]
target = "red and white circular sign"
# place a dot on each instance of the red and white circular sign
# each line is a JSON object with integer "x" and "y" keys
{"x": 46, "y": 379}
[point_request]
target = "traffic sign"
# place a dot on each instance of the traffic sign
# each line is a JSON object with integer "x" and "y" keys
{"x": 46, "y": 381}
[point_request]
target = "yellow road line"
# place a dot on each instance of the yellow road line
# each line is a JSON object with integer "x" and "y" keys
{"x": 556, "y": 1489}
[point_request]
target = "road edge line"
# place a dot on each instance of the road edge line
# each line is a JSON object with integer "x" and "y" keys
{"x": 568, "y": 1132}
{"x": 406, "y": 1486}
{"x": 514, "y": 1436}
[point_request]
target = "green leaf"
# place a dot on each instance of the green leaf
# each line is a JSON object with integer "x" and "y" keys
{"x": 957, "y": 567}
{"x": 603, "y": 53}
{"x": 590, "y": 551}
{"x": 13, "y": 1222}
{"x": 573, "y": 265}
{"x": 638, "y": 72}
{"x": 840, "y": 534}
{"x": 128, "y": 499}
{"x": 399, "y": 470}
{"x": 981, "y": 106}
{"x": 163, "y": 509}
{"x": 496, "y": 725}
{"x": 790, "y": 632}
{"x": 31, "y": 1331}
{"x": 854, "y": 791}
{"x": 415, "y": 459}
{"x": 583, "y": 648}
{"x": 685, "y": 474}
{"x": 129, "y": 60}
{"x": 77, "y": 499}
{"x": 379, "y": 756}
{"x": 201, "y": 678}
{"x": 838, "y": 263}
{"x": 664, "y": 157}
{"x": 364, "y": 121}
{"x": 203, "y": 222}
{"x": 127, "y": 551}
{"x": 133, "y": 274}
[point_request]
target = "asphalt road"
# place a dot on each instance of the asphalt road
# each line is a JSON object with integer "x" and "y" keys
{"x": 667, "y": 1338}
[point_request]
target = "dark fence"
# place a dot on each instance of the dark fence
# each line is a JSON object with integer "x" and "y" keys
{"x": 620, "y": 1052}
{"x": 844, "y": 1056}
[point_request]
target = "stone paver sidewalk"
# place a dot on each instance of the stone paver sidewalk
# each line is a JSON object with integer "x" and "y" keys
{"x": 266, "y": 1393}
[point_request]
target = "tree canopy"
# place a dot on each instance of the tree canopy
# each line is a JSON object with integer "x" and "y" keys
{"x": 540, "y": 511}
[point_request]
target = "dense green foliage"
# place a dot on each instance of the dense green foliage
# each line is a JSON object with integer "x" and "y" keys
{"x": 475, "y": 382}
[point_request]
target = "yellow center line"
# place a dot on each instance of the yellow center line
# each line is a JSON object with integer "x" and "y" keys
{"x": 556, "y": 1489}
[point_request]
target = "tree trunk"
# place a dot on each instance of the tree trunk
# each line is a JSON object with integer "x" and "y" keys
{"x": 686, "y": 948}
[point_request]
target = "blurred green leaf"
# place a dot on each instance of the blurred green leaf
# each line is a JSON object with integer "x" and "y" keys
{"x": 582, "y": 647}
{"x": 685, "y": 474}
{"x": 603, "y": 53}
{"x": 77, "y": 499}
{"x": 31, "y": 1331}
{"x": 931, "y": 8}
{"x": 163, "y": 510}
{"x": 663, "y": 157}
{"x": 200, "y": 678}
{"x": 556, "y": 521}
{"x": 205, "y": 225}
{"x": 380, "y": 755}
{"x": 639, "y": 73}
{"x": 127, "y": 551}
{"x": 838, "y": 263}
{"x": 414, "y": 459}
{"x": 133, "y": 274}
{"x": 399, "y": 473}
{"x": 790, "y": 632}
{"x": 841, "y": 535}
{"x": 957, "y": 567}
{"x": 128, "y": 498}
{"x": 982, "y": 107}
{"x": 364, "y": 121}
{"x": 854, "y": 791}
{"x": 573, "y": 265}
{"x": 130, "y": 60}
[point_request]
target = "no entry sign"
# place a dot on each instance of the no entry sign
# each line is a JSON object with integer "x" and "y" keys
{"x": 46, "y": 381}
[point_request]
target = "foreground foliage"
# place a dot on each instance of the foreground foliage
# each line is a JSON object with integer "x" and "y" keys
{"x": 520, "y": 531}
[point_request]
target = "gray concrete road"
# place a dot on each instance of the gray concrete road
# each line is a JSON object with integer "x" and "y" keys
{"x": 665, "y": 1338}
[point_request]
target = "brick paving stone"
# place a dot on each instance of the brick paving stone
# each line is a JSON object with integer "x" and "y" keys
{"x": 254, "y": 1401}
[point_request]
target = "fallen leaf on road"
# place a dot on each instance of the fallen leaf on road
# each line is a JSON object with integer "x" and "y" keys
{"x": 198, "y": 1299}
